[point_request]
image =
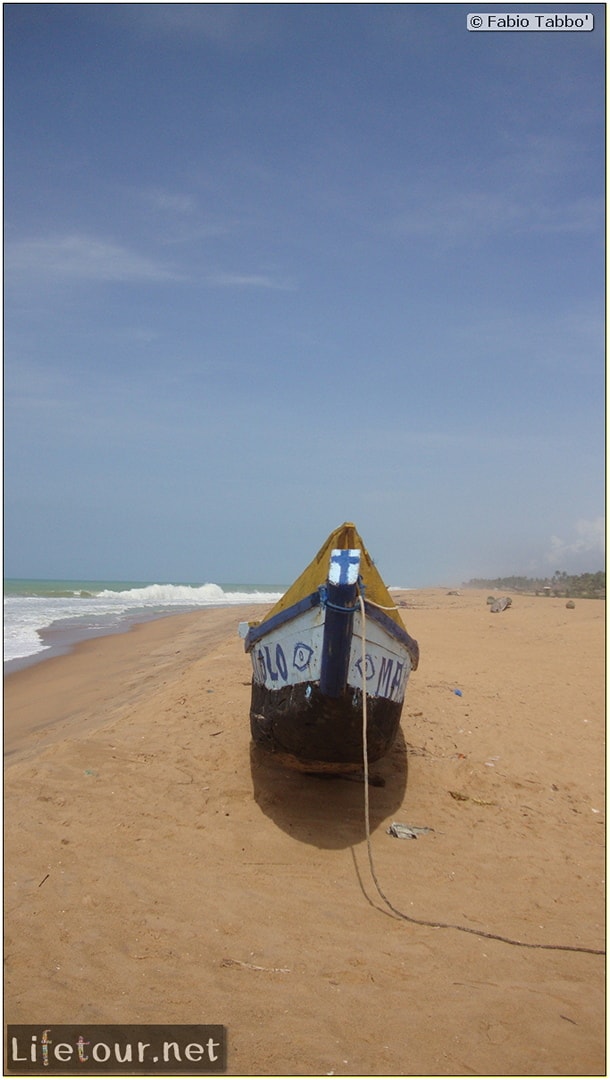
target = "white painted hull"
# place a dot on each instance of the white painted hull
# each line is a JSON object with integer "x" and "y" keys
{"x": 292, "y": 654}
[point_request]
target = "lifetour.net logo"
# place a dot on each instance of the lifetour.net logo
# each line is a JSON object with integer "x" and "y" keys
{"x": 107, "y": 1049}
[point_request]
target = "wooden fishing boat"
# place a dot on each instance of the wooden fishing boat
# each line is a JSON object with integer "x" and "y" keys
{"x": 334, "y": 636}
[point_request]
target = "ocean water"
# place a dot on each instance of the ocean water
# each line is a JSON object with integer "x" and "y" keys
{"x": 74, "y": 610}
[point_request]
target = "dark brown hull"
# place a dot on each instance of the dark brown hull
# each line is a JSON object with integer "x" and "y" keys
{"x": 308, "y": 731}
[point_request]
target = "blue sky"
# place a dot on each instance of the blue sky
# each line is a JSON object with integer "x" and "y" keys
{"x": 272, "y": 267}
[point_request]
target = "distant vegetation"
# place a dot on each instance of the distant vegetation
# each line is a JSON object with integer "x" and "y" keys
{"x": 560, "y": 584}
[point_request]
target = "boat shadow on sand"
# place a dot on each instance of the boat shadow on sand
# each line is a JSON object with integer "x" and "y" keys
{"x": 327, "y": 810}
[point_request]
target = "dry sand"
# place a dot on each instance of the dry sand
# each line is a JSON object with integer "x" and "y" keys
{"x": 158, "y": 872}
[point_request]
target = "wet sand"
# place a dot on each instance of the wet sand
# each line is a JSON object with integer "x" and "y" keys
{"x": 158, "y": 871}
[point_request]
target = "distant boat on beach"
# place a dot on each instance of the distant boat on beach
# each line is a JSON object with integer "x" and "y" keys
{"x": 332, "y": 645}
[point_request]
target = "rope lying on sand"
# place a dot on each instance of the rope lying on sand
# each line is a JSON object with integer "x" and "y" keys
{"x": 435, "y": 924}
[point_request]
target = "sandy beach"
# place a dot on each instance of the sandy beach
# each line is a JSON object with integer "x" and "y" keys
{"x": 158, "y": 871}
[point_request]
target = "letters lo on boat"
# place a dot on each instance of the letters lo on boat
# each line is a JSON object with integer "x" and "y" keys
{"x": 310, "y": 670}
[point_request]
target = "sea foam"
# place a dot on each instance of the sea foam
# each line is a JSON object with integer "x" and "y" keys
{"x": 106, "y": 610}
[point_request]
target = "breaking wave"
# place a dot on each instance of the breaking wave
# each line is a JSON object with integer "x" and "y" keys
{"x": 87, "y": 611}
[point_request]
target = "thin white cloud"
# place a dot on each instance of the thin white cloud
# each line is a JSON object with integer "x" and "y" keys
{"x": 81, "y": 257}
{"x": 570, "y": 339}
{"x": 174, "y": 202}
{"x": 257, "y": 281}
{"x": 139, "y": 335}
{"x": 510, "y": 194}
{"x": 176, "y": 217}
{"x": 33, "y": 386}
{"x": 479, "y": 215}
{"x": 234, "y": 27}
{"x": 77, "y": 257}
{"x": 590, "y": 540}
{"x": 451, "y": 218}
{"x": 578, "y": 216}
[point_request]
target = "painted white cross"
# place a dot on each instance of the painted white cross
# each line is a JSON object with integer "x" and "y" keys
{"x": 344, "y": 566}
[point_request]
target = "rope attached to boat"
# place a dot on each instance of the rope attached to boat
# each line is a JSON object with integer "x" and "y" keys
{"x": 393, "y": 607}
{"x": 400, "y": 914}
